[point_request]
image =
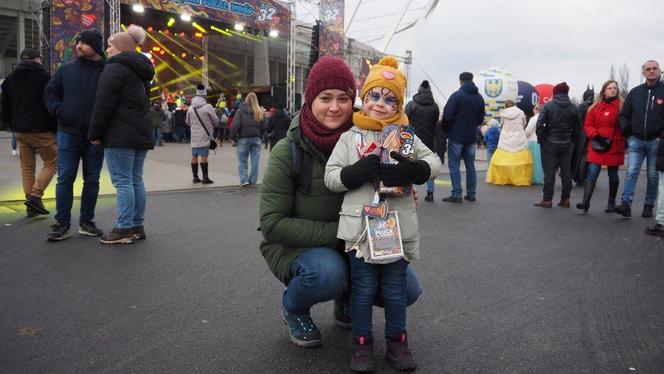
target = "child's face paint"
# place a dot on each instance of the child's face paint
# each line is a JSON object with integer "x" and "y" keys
{"x": 380, "y": 103}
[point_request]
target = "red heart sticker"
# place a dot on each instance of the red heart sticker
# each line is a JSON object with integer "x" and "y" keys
{"x": 88, "y": 19}
{"x": 660, "y": 101}
{"x": 389, "y": 75}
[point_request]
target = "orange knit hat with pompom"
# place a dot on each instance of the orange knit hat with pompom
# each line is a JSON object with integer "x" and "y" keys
{"x": 386, "y": 74}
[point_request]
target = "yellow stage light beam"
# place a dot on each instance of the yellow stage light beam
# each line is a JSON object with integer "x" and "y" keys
{"x": 176, "y": 57}
{"x": 245, "y": 35}
{"x": 181, "y": 78}
{"x": 123, "y": 27}
{"x": 199, "y": 27}
{"x": 164, "y": 65}
{"x": 224, "y": 32}
{"x": 226, "y": 62}
{"x": 194, "y": 53}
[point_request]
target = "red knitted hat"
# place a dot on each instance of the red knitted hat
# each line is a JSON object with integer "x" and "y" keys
{"x": 560, "y": 88}
{"x": 329, "y": 73}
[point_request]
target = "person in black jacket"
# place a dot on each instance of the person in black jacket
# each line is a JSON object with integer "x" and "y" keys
{"x": 580, "y": 150}
{"x": 121, "y": 123}
{"x": 69, "y": 96}
{"x": 277, "y": 125}
{"x": 24, "y": 112}
{"x": 423, "y": 113}
{"x": 557, "y": 128}
{"x": 462, "y": 114}
{"x": 642, "y": 122}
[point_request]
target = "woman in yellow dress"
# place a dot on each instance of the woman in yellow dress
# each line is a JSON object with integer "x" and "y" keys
{"x": 512, "y": 162}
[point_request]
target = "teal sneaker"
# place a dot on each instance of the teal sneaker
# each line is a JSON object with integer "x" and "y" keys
{"x": 302, "y": 330}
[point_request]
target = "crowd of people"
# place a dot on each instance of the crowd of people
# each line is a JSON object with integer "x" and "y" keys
{"x": 337, "y": 203}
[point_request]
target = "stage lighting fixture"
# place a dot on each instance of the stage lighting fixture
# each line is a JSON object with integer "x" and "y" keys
{"x": 198, "y": 27}
{"x": 183, "y": 55}
{"x": 171, "y": 22}
{"x": 150, "y": 29}
{"x": 198, "y": 34}
{"x": 239, "y": 27}
{"x": 138, "y": 8}
{"x": 274, "y": 33}
{"x": 185, "y": 17}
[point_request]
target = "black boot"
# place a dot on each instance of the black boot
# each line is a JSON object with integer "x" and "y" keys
{"x": 613, "y": 191}
{"x": 587, "y": 195}
{"x": 194, "y": 171}
{"x": 204, "y": 168}
{"x": 429, "y": 197}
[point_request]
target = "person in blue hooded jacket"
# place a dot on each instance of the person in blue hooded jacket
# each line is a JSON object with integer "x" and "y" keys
{"x": 462, "y": 114}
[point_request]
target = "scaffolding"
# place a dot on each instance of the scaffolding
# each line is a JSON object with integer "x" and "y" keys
{"x": 290, "y": 60}
{"x": 113, "y": 16}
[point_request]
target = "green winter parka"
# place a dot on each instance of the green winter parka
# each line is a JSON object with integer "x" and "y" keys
{"x": 292, "y": 221}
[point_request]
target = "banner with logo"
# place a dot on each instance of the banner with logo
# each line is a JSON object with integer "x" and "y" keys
{"x": 261, "y": 14}
{"x": 332, "y": 28}
{"x": 68, "y": 18}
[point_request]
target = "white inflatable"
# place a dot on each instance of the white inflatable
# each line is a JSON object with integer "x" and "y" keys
{"x": 496, "y": 85}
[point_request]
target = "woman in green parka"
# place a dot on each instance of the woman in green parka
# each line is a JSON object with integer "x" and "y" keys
{"x": 299, "y": 215}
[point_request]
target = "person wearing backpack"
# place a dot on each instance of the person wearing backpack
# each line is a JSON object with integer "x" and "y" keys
{"x": 299, "y": 215}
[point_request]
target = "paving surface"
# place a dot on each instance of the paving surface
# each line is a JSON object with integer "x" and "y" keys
{"x": 508, "y": 288}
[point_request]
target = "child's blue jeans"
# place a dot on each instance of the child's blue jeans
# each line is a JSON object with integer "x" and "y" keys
{"x": 365, "y": 281}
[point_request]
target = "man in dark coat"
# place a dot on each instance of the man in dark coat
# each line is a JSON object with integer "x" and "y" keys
{"x": 423, "y": 114}
{"x": 580, "y": 151}
{"x": 277, "y": 125}
{"x": 69, "y": 96}
{"x": 557, "y": 127}
{"x": 24, "y": 112}
{"x": 642, "y": 122}
{"x": 462, "y": 114}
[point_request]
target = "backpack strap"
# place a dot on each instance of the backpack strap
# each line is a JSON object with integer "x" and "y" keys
{"x": 301, "y": 164}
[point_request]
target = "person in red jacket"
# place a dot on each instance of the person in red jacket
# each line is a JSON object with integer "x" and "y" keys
{"x": 602, "y": 127}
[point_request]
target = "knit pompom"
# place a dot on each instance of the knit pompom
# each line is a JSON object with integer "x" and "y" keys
{"x": 389, "y": 61}
{"x": 137, "y": 33}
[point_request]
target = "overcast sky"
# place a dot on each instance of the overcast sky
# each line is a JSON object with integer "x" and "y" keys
{"x": 538, "y": 41}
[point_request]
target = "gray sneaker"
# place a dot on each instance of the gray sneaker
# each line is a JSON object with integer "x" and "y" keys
{"x": 58, "y": 232}
{"x": 89, "y": 228}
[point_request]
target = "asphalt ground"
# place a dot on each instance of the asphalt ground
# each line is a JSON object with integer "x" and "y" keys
{"x": 508, "y": 288}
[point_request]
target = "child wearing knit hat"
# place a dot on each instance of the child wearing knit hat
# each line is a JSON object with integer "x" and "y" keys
{"x": 375, "y": 163}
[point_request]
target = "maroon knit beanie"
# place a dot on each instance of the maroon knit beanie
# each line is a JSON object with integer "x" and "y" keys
{"x": 329, "y": 73}
{"x": 560, "y": 88}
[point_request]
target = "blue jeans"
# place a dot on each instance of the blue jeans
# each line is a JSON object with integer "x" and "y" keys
{"x": 455, "y": 152}
{"x": 594, "y": 169}
{"x": 14, "y": 145}
{"x": 320, "y": 274}
{"x": 158, "y": 137}
{"x": 431, "y": 185}
{"x": 489, "y": 154}
{"x": 181, "y": 132}
{"x": 247, "y": 147}
{"x": 659, "y": 218}
{"x": 126, "y": 168}
{"x": 71, "y": 149}
{"x": 637, "y": 151}
{"x": 365, "y": 281}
